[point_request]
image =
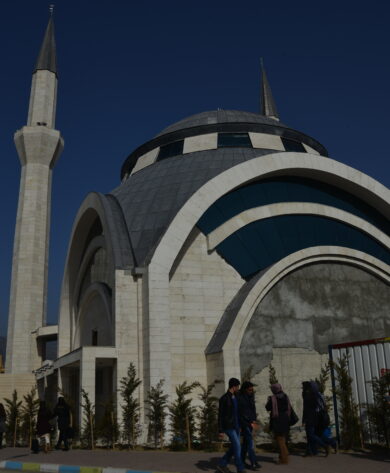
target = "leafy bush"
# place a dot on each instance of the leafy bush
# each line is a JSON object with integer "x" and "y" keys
{"x": 130, "y": 406}
{"x": 157, "y": 404}
{"x": 378, "y": 413}
{"x": 182, "y": 415}
{"x": 347, "y": 408}
{"x": 208, "y": 416}
{"x": 14, "y": 412}
{"x": 29, "y": 410}
{"x": 88, "y": 431}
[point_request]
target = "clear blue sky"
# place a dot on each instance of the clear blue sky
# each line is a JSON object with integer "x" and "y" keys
{"x": 128, "y": 69}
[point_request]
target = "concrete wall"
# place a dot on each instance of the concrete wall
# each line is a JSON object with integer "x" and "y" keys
{"x": 306, "y": 311}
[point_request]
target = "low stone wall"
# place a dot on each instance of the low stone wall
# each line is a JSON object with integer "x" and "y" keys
{"x": 21, "y": 382}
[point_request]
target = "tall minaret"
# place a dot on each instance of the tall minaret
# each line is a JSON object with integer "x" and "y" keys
{"x": 38, "y": 145}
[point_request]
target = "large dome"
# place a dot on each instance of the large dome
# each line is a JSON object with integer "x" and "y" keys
{"x": 220, "y": 116}
{"x": 265, "y": 132}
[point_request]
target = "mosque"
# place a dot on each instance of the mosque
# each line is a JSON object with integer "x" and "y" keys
{"x": 233, "y": 241}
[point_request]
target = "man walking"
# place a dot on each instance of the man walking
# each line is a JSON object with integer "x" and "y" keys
{"x": 247, "y": 417}
{"x": 228, "y": 424}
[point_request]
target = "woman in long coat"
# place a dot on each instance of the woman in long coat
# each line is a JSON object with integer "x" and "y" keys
{"x": 280, "y": 409}
{"x": 43, "y": 425}
{"x": 62, "y": 412}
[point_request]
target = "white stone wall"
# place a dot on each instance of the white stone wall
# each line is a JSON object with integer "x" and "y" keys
{"x": 200, "y": 289}
{"x": 128, "y": 328}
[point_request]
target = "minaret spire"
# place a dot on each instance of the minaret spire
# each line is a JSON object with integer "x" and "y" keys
{"x": 38, "y": 145}
{"x": 47, "y": 60}
{"x": 268, "y": 106}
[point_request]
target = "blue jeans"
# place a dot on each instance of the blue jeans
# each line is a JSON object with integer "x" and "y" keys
{"x": 313, "y": 440}
{"x": 247, "y": 445}
{"x": 329, "y": 441}
{"x": 234, "y": 450}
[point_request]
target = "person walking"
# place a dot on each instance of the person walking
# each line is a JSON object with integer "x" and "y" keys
{"x": 313, "y": 408}
{"x": 228, "y": 423}
{"x": 247, "y": 417}
{"x": 3, "y": 425}
{"x": 62, "y": 412}
{"x": 280, "y": 411}
{"x": 43, "y": 425}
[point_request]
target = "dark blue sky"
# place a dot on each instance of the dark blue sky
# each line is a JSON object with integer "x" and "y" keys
{"x": 128, "y": 69}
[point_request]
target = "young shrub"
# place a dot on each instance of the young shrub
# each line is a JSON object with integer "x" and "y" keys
{"x": 379, "y": 412}
{"x": 207, "y": 416}
{"x": 322, "y": 381}
{"x": 182, "y": 415}
{"x": 248, "y": 374}
{"x": 88, "y": 432}
{"x": 347, "y": 408}
{"x": 13, "y": 409}
{"x": 272, "y": 375}
{"x": 156, "y": 406}
{"x": 29, "y": 410}
{"x": 108, "y": 429}
{"x": 130, "y": 406}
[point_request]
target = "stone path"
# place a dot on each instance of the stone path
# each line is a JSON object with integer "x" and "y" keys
{"x": 183, "y": 462}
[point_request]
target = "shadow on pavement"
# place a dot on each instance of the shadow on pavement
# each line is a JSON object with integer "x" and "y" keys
{"x": 371, "y": 456}
{"x": 211, "y": 464}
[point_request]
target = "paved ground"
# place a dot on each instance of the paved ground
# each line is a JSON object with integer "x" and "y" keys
{"x": 194, "y": 462}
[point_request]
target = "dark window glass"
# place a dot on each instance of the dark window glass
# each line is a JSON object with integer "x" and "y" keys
{"x": 94, "y": 338}
{"x": 291, "y": 145}
{"x": 231, "y": 140}
{"x": 171, "y": 149}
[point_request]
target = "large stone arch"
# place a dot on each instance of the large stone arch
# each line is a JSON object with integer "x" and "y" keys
{"x": 94, "y": 314}
{"x": 104, "y": 211}
{"x": 276, "y": 164}
{"x": 293, "y": 208}
{"x": 223, "y": 351}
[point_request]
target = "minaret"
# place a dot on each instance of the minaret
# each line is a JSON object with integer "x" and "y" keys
{"x": 38, "y": 145}
{"x": 268, "y": 106}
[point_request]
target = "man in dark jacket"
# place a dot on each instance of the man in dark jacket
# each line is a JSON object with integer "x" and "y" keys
{"x": 228, "y": 423}
{"x": 247, "y": 417}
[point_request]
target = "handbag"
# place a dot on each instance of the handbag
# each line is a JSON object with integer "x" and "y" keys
{"x": 293, "y": 417}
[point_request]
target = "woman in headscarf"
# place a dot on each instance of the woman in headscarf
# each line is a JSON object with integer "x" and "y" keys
{"x": 43, "y": 425}
{"x": 313, "y": 406}
{"x": 62, "y": 412}
{"x": 280, "y": 410}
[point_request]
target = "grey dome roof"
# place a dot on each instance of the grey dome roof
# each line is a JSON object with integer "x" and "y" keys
{"x": 220, "y": 116}
{"x": 150, "y": 198}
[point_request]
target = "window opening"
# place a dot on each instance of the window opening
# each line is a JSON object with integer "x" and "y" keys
{"x": 292, "y": 145}
{"x": 234, "y": 140}
{"x": 94, "y": 338}
{"x": 171, "y": 149}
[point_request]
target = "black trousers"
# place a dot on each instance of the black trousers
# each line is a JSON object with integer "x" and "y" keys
{"x": 63, "y": 438}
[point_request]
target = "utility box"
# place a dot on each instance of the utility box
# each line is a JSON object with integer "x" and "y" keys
{"x": 367, "y": 359}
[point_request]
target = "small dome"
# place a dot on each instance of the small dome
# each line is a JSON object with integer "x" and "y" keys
{"x": 220, "y": 116}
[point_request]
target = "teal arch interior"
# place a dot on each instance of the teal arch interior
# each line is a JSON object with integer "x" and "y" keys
{"x": 287, "y": 189}
{"x": 262, "y": 243}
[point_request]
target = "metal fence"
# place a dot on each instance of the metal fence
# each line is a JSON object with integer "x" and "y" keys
{"x": 367, "y": 359}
